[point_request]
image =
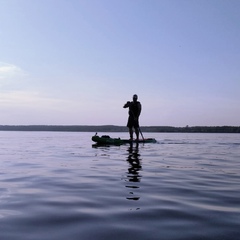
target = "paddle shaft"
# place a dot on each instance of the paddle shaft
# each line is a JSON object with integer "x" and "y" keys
{"x": 141, "y": 132}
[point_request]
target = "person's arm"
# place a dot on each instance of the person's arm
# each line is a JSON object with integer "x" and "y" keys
{"x": 139, "y": 109}
{"x": 126, "y": 105}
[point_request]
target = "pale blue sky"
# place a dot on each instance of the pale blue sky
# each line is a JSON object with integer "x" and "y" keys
{"x": 78, "y": 61}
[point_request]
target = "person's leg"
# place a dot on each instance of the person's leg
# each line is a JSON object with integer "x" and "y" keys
{"x": 137, "y": 133}
{"x": 131, "y": 133}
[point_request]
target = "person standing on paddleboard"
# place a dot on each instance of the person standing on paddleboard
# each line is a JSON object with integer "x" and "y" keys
{"x": 134, "y": 112}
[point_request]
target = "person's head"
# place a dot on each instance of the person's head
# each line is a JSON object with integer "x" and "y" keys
{"x": 135, "y": 97}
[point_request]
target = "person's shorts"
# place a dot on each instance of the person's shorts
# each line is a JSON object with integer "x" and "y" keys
{"x": 132, "y": 123}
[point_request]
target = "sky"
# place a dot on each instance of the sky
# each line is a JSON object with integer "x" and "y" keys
{"x": 77, "y": 62}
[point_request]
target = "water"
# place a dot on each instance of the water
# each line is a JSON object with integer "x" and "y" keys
{"x": 57, "y": 185}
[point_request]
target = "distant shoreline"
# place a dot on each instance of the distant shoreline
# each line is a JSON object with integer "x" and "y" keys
{"x": 113, "y": 128}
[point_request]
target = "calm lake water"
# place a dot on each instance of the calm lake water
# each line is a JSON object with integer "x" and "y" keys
{"x": 56, "y": 185}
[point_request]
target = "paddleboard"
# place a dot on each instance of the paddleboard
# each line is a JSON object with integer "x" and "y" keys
{"x": 105, "y": 139}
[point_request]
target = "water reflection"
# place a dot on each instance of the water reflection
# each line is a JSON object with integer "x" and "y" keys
{"x": 133, "y": 176}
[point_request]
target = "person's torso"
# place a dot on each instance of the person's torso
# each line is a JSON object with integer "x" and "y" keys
{"x": 134, "y": 108}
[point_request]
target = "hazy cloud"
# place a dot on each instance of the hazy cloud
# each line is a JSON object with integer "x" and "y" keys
{"x": 29, "y": 99}
{"x": 8, "y": 71}
{"x": 23, "y": 107}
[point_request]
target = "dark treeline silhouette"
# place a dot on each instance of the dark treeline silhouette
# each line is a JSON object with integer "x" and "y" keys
{"x": 198, "y": 129}
{"x": 112, "y": 128}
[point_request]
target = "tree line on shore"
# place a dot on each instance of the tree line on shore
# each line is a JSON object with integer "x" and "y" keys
{"x": 113, "y": 128}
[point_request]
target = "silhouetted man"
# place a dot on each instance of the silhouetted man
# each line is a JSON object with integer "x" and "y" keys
{"x": 134, "y": 113}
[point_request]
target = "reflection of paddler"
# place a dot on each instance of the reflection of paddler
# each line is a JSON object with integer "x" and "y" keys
{"x": 134, "y": 112}
{"x": 135, "y": 166}
{"x": 134, "y": 160}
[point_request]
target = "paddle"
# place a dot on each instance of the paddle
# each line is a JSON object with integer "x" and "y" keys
{"x": 141, "y": 133}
